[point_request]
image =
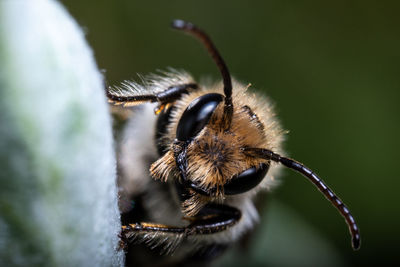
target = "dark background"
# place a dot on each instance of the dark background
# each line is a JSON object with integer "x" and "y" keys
{"x": 331, "y": 67}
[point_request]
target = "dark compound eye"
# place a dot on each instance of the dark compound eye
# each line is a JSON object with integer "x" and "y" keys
{"x": 197, "y": 115}
{"x": 246, "y": 180}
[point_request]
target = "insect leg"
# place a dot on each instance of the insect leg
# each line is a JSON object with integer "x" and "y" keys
{"x": 213, "y": 218}
{"x": 171, "y": 94}
{"x": 175, "y": 92}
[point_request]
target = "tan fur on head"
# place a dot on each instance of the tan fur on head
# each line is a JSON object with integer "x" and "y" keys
{"x": 194, "y": 204}
{"x": 215, "y": 156}
{"x": 163, "y": 167}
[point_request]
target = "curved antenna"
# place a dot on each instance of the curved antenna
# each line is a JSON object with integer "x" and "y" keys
{"x": 203, "y": 37}
{"x": 310, "y": 175}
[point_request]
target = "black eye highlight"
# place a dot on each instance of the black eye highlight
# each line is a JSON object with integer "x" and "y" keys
{"x": 246, "y": 180}
{"x": 197, "y": 115}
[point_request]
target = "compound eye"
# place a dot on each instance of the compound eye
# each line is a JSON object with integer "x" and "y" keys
{"x": 197, "y": 115}
{"x": 246, "y": 180}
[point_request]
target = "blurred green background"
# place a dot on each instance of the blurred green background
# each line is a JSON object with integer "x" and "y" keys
{"x": 331, "y": 67}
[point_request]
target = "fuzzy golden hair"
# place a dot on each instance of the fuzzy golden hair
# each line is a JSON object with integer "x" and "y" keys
{"x": 214, "y": 156}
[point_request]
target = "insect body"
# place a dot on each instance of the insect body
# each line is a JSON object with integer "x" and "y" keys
{"x": 195, "y": 165}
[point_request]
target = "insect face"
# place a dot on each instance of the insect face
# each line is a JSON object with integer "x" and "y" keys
{"x": 217, "y": 146}
{"x": 208, "y": 158}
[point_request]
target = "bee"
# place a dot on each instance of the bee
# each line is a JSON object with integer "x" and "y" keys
{"x": 193, "y": 157}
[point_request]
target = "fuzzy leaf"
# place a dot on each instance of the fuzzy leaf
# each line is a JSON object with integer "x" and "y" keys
{"x": 58, "y": 197}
